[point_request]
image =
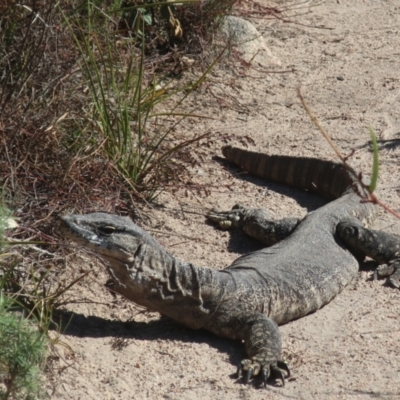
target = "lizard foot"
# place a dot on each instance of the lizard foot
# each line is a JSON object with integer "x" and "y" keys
{"x": 249, "y": 369}
{"x": 391, "y": 270}
{"x": 235, "y": 218}
{"x": 381, "y": 246}
{"x": 264, "y": 348}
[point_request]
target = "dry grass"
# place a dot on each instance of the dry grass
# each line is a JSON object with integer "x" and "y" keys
{"x": 52, "y": 160}
{"x": 57, "y": 153}
{"x": 53, "y": 156}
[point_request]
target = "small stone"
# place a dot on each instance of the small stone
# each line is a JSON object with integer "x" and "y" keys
{"x": 248, "y": 41}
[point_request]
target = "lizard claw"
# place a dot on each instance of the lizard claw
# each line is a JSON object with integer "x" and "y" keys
{"x": 237, "y": 216}
{"x": 227, "y": 219}
{"x": 283, "y": 365}
{"x": 265, "y": 375}
{"x": 249, "y": 374}
{"x": 252, "y": 369}
{"x": 279, "y": 374}
{"x": 239, "y": 371}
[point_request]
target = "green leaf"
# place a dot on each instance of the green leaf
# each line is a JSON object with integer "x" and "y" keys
{"x": 146, "y": 16}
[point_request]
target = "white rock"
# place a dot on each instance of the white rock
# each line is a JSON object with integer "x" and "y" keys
{"x": 248, "y": 41}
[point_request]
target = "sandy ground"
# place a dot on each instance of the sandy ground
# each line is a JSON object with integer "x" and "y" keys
{"x": 350, "y": 349}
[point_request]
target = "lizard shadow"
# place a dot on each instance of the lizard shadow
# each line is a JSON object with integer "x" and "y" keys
{"x": 79, "y": 325}
{"x": 384, "y": 144}
{"x": 239, "y": 242}
{"x": 308, "y": 200}
{"x": 389, "y": 144}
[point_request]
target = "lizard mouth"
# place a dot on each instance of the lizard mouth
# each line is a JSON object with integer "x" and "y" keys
{"x": 77, "y": 233}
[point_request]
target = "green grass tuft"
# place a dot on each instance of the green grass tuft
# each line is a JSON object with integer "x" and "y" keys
{"x": 22, "y": 355}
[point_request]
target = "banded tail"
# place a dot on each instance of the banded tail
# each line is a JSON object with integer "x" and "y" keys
{"x": 325, "y": 177}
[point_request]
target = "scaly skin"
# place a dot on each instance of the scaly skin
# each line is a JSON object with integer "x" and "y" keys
{"x": 382, "y": 247}
{"x": 303, "y": 271}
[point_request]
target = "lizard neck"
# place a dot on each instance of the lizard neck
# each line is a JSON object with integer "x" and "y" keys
{"x": 155, "y": 279}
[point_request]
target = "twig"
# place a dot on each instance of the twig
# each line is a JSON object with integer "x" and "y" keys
{"x": 367, "y": 195}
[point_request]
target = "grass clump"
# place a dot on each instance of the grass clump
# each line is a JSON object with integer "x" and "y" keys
{"x": 22, "y": 355}
{"x": 85, "y": 101}
{"x": 23, "y": 347}
{"x": 125, "y": 91}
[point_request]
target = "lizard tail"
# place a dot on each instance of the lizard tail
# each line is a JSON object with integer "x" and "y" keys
{"x": 325, "y": 177}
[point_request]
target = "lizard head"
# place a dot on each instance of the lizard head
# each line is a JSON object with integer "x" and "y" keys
{"x": 134, "y": 259}
{"x": 114, "y": 238}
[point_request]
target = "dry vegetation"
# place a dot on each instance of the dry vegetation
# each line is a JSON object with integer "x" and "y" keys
{"x": 63, "y": 75}
{"x": 89, "y": 105}
{"x": 91, "y": 97}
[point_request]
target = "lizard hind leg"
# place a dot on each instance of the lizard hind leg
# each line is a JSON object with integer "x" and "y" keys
{"x": 382, "y": 247}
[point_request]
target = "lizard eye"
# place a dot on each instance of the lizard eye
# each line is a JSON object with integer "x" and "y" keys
{"x": 107, "y": 230}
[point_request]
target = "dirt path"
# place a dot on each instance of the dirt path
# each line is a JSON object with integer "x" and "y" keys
{"x": 350, "y": 76}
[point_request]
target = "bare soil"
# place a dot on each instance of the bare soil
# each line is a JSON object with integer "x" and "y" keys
{"x": 349, "y": 71}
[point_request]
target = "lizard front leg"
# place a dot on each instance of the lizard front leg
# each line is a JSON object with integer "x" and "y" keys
{"x": 263, "y": 346}
{"x": 380, "y": 246}
{"x": 256, "y": 223}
